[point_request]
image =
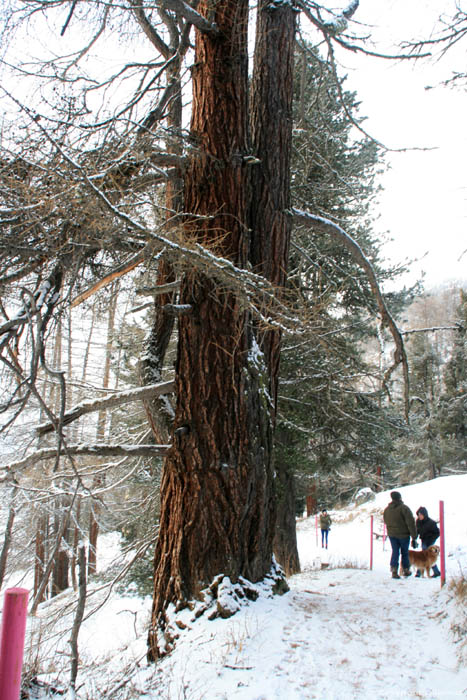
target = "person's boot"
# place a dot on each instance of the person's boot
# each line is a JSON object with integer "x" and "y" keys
{"x": 418, "y": 574}
{"x": 406, "y": 572}
{"x": 436, "y": 572}
{"x": 394, "y": 572}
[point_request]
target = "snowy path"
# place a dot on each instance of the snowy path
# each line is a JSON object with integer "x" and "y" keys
{"x": 338, "y": 635}
{"x": 341, "y": 633}
{"x": 365, "y": 635}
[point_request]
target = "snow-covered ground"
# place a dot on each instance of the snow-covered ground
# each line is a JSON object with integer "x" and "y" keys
{"x": 342, "y": 632}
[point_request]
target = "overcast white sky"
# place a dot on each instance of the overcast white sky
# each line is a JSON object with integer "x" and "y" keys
{"x": 424, "y": 205}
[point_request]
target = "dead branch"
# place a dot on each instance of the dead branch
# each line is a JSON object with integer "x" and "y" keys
{"x": 116, "y": 273}
{"x": 190, "y": 14}
{"x": 455, "y": 327}
{"x": 158, "y": 289}
{"x": 117, "y": 399}
{"x": 332, "y": 229}
{"x": 97, "y": 450}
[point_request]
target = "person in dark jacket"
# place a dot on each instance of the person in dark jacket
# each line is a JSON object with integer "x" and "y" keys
{"x": 400, "y": 525}
{"x": 428, "y": 532}
{"x": 325, "y": 525}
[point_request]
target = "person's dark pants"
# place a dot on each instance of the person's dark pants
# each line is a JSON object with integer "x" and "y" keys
{"x": 324, "y": 538}
{"x": 400, "y": 546}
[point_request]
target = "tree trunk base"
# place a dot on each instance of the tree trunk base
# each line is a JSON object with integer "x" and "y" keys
{"x": 221, "y": 598}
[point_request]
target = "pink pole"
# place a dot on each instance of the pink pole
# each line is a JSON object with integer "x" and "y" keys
{"x": 371, "y": 543}
{"x": 384, "y": 534}
{"x": 15, "y": 608}
{"x": 442, "y": 553}
{"x": 316, "y": 528}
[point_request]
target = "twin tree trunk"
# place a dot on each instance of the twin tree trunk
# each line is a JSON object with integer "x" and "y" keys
{"x": 217, "y": 491}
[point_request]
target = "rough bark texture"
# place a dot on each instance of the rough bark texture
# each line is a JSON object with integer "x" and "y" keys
{"x": 271, "y": 120}
{"x": 285, "y": 538}
{"x": 216, "y": 493}
{"x": 271, "y": 116}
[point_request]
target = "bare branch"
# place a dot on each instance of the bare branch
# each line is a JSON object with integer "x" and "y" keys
{"x": 118, "y": 399}
{"x": 117, "y": 272}
{"x": 158, "y": 289}
{"x": 97, "y": 450}
{"x": 190, "y": 14}
{"x": 456, "y": 327}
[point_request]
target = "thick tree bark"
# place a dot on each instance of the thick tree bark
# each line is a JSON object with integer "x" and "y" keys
{"x": 285, "y": 539}
{"x": 271, "y": 118}
{"x": 217, "y": 511}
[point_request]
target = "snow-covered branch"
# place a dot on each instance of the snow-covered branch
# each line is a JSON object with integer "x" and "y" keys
{"x": 432, "y": 329}
{"x": 122, "y": 397}
{"x": 190, "y": 14}
{"x": 89, "y": 450}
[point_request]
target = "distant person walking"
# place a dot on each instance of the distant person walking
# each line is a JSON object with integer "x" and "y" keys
{"x": 428, "y": 531}
{"x": 400, "y": 525}
{"x": 325, "y": 525}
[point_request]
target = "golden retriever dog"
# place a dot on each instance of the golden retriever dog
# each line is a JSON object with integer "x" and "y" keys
{"x": 424, "y": 559}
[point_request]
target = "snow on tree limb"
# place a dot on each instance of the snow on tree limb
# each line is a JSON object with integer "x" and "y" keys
{"x": 192, "y": 16}
{"x": 329, "y": 227}
{"x": 117, "y": 399}
{"x": 432, "y": 329}
{"x": 158, "y": 289}
{"x": 85, "y": 449}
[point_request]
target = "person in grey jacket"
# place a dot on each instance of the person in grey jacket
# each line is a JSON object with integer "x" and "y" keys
{"x": 401, "y": 527}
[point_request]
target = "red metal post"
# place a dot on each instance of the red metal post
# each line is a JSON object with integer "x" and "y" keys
{"x": 15, "y": 609}
{"x": 371, "y": 543}
{"x": 442, "y": 552}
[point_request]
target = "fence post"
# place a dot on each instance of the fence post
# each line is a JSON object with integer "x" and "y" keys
{"x": 371, "y": 543}
{"x": 442, "y": 552}
{"x": 15, "y": 609}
